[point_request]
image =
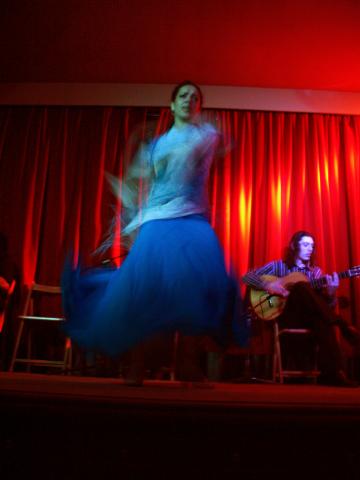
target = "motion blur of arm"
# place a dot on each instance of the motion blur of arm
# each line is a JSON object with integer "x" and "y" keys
{"x": 4, "y": 285}
{"x": 128, "y": 189}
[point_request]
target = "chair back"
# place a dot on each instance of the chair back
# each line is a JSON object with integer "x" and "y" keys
{"x": 37, "y": 309}
{"x": 34, "y": 293}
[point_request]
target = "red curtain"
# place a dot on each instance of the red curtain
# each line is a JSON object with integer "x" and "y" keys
{"x": 282, "y": 172}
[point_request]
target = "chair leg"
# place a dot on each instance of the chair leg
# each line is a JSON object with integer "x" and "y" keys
{"x": 29, "y": 347}
{"x": 174, "y": 357}
{"x": 277, "y": 363}
{"x": 214, "y": 366}
{"x": 16, "y": 346}
{"x": 67, "y": 356}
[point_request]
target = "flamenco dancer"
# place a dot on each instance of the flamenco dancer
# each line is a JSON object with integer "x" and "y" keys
{"x": 174, "y": 277}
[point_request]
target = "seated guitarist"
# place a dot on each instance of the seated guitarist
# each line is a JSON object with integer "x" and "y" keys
{"x": 307, "y": 307}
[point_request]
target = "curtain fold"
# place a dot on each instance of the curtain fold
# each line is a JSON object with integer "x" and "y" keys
{"x": 281, "y": 172}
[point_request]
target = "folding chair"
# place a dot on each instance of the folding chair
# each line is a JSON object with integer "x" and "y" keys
{"x": 30, "y": 318}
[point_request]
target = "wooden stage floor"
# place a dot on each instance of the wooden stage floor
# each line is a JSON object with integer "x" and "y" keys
{"x": 67, "y": 427}
{"x": 34, "y": 388}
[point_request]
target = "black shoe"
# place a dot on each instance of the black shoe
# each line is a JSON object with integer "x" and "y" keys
{"x": 339, "y": 379}
{"x": 351, "y": 334}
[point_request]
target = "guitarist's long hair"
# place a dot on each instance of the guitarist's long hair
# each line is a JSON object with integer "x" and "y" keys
{"x": 293, "y": 248}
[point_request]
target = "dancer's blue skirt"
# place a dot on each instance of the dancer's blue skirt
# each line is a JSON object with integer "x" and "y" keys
{"x": 174, "y": 278}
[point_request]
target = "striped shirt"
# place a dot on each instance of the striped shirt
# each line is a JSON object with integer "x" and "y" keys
{"x": 278, "y": 268}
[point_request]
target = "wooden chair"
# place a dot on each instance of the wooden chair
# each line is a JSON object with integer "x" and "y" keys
{"x": 279, "y": 373}
{"x": 267, "y": 308}
{"x": 30, "y": 318}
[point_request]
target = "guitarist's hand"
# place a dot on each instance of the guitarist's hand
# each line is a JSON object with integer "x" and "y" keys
{"x": 276, "y": 288}
{"x": 332, "y": 283}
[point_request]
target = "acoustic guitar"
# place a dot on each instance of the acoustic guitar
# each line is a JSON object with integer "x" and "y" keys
{"x": 268, "y": 306}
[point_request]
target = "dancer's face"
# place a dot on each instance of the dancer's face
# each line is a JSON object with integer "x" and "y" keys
{"x": 306, "y": 248}
{"x": 187, "y": 104}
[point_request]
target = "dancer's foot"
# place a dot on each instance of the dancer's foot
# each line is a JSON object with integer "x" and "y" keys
{"x": 204, "y": 384}
{"x": 351, "y": 334}
{"x": 134, "y": 382}
{"x": 135, "y": 375}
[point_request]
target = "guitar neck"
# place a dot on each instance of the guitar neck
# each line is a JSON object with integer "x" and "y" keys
{"x": 321, "y": 282}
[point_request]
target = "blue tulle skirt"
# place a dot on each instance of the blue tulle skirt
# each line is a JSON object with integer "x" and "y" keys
{"x": 174, "y": 278}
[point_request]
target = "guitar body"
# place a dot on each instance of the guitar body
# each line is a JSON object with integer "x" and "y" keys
{"x": 269, "y": 307}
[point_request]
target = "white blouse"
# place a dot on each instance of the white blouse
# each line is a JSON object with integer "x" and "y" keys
{"x": 176, "y": 166}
